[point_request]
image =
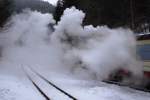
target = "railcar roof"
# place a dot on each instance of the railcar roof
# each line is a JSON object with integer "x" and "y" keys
{"x": 143, "y": 36}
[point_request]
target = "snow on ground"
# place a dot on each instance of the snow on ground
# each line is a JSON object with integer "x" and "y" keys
{"x": 75, "y": 58}
{"x": 13, "y": 88}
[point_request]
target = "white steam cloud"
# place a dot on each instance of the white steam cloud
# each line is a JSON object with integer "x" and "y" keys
{"x": 98, "y": 50}
{"x": 86, "y": 51}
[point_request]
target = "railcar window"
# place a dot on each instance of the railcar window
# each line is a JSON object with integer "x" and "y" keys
{"x": 144, "y": 51}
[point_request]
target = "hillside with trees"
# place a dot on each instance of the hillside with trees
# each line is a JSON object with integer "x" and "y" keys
{"x": 8, "y": 7}
{"x": 38, "y": 5}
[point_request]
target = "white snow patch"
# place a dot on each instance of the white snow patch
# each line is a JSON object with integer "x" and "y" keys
{"x": 11, "y": 88}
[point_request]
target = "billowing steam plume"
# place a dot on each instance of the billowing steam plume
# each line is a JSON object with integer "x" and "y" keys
{"x": 86, "y": 51}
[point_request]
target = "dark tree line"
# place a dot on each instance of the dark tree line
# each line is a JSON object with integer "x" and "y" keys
{"x": 38, "y": 5}
{"x": 5, "y": 10}
{"x": 8, "y": 7}
{"x": 134, "y": 14}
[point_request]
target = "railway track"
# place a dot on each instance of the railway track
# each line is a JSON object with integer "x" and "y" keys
{"x": 39, "y": 89}
{"x": 139, "y": 88}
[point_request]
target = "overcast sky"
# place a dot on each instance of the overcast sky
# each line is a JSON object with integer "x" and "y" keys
{"x": 52, "y": 1}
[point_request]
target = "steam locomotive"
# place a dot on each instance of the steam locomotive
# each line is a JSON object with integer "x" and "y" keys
{"x": 143, "y": 51}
